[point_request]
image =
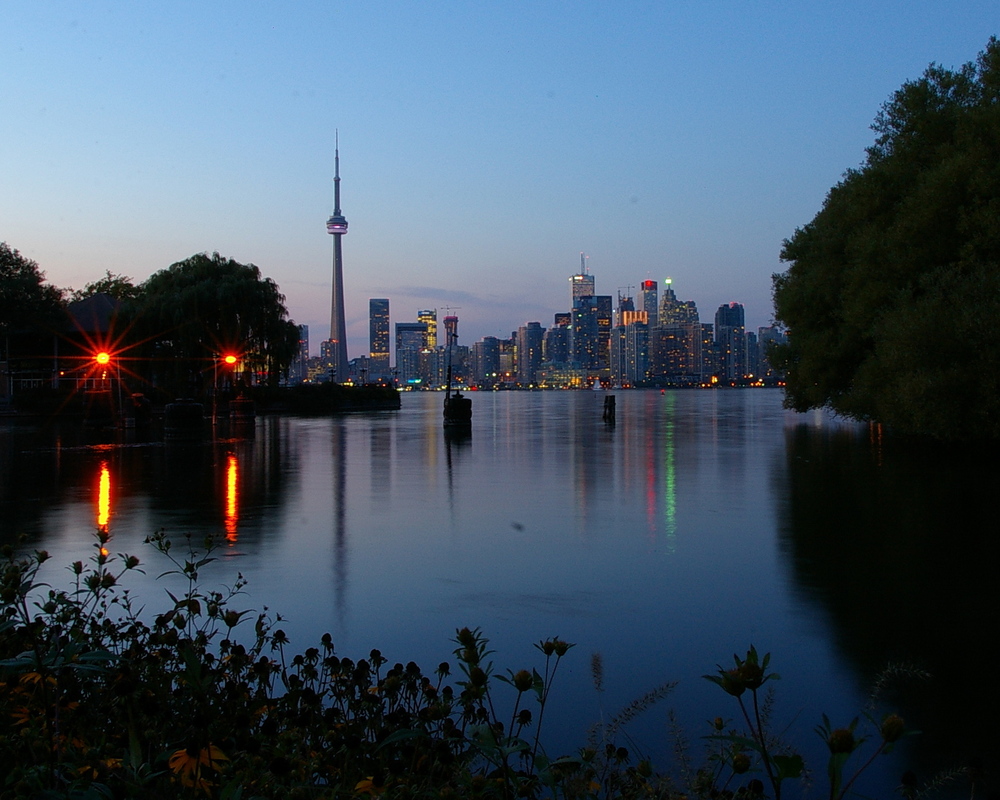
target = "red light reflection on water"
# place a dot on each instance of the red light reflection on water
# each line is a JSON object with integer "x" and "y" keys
{"x": 232, "y": 498}
{"x": 104, "y": 501}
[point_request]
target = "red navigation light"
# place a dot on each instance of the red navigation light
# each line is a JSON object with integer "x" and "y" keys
{"x": 102, "y": 357}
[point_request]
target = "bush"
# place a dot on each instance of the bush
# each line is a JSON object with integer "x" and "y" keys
{"x": 98, "y": 702}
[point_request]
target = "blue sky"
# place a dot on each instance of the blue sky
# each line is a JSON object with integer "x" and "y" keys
{"x": 484, "y": 145}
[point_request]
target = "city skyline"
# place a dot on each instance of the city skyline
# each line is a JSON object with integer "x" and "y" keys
{"x": 489, "y": 145}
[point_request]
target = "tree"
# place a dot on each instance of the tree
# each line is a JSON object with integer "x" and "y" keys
{"x": 31, "y": 311}
{"x": 120, "y": 287}
{"x": 197, "y": 310}
{"x": 892, "y": 299}
{"x": 26, "y": 301}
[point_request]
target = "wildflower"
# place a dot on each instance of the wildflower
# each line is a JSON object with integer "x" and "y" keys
{"x": 893, "y": 728}
{"x": 369, "y": 786}
{"x": 741, "y": 763}
{"x": 190, "y": 766}
{"x": 841, "y": 740}
{"x": 732, "y": 682}
{"x": 751, "y": 674}
{"x": 523, "y": 681}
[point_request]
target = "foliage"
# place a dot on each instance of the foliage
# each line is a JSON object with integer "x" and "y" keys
{"x": 206, "y": 306}
{"x": 893, "y": 291}
{"x": 25, "y": 299}
{"x": 204, "y": 700}
{"x": 120, "y": 287}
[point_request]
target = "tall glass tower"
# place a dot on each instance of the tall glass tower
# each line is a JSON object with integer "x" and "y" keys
{"x": 336, "y": 226}
{"x": 378, "y": 337}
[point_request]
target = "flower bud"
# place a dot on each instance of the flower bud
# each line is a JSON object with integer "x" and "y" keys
{"x": 751, "y": 674}
{"x": 466, "y": 638}
{"x": 893, "y": 728}
{"x": 523, "y": 681}
{"x": 732, "y": 683}
{"x": 477, "y": 677}
{"x": 841, "y": 741}
{"x": 741, "y": 763}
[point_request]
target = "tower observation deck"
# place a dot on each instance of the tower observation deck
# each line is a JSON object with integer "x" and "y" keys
{"x": 336, "y": 226}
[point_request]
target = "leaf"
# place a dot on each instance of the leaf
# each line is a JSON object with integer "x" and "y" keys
{"x": 401, "y": 735}
{"x": 789, "y": 766}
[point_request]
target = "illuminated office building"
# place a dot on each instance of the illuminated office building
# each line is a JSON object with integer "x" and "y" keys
{"x": 378, "y": 338}
{"x": 429, "y": 318}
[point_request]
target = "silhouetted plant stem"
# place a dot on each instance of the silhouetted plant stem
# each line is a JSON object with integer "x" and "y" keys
{"x": 854, "y": 777}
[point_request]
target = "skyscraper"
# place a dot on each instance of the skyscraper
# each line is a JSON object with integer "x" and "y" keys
{"x": 429, "y": 317}
{"x": 529, "y": 352}
{"x": 378, "y": 337}
{"x": 730, "y": 336}
{"x": 411, "y": 339}
{"x": 336, "y": 226}
{"x": 647, "y": 300}
{"x": 581, "y": 285}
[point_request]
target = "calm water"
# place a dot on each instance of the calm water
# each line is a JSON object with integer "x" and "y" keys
{"x": 700, "y": 523}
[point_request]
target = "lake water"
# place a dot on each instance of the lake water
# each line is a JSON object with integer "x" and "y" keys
{"x": 700, "y": 523}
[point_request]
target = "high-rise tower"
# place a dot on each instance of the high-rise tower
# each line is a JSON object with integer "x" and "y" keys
{"x": 337, "y": 227}
{"x": 378, "y": 337}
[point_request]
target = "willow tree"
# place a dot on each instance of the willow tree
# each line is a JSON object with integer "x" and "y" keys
{"x": 892, "y": 299}
{"x": 194, "y": 313}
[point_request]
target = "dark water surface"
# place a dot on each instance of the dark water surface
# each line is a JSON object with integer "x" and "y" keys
{"x": 701, "y": 523}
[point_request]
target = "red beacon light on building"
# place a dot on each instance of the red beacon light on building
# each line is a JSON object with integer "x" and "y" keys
{"x": 230, "y": 359}
{"x": 102, "y": 358}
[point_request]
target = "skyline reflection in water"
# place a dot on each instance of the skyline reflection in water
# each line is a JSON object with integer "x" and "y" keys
{"x": 665, "y": 542}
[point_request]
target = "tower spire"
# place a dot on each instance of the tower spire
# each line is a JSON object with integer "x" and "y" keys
{"x": 336, "y": 174}
{"x": 336, "y": 226}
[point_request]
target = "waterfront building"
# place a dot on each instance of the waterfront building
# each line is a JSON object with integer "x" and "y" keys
{"x": 557, "y": 340}
{"x": 411, "y": 339}
{"x": 429, "y": 318}
{"x": 378, "y": 338}
{"x": 529, "y": 352}
{"x": 336, "y": 226}
{"x": 767, "y": 337}
{"x": 648, "y": 301}
{"x": 730, "y": 336}
{"x": 625, "y": 305}
{"x": 581, "y": 284}
{"x": 300, "y": 366}
{"x": 604, "y": 308}
{"x": 327, "y": 357}
{"x": 630, "y": 349}
{"x": 486, "y": 361}
{"x": 585, "y": 343}
{"x": 711, "y": 356}
{"x": 675, "y": 345}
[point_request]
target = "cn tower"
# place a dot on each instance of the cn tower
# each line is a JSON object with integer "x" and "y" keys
{"x": 337, "y": 227}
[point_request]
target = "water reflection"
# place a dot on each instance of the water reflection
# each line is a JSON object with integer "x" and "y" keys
{"x": 897, "y": 544}
{"x": 232, "y": 498}
{"x": 338, "y": 461}
{"x": 699, "y": 520}
{"x": 104, "y": 498}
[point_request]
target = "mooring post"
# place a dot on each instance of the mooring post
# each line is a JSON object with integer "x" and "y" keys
{"x": 609, "y": 408}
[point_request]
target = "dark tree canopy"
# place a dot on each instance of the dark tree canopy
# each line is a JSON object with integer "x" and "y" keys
{"x": 26, "y": 301}
{"x": 892, "y": 297}
{"x": 120, "y": 287}
{"x": 206, "y": 306}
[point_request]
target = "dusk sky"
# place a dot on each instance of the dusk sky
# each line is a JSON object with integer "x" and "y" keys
{"x": 483, "y": 145}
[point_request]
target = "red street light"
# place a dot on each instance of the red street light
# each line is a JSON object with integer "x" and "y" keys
{"x": 230, "y": 360}
{"x": 102, "y": 358}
